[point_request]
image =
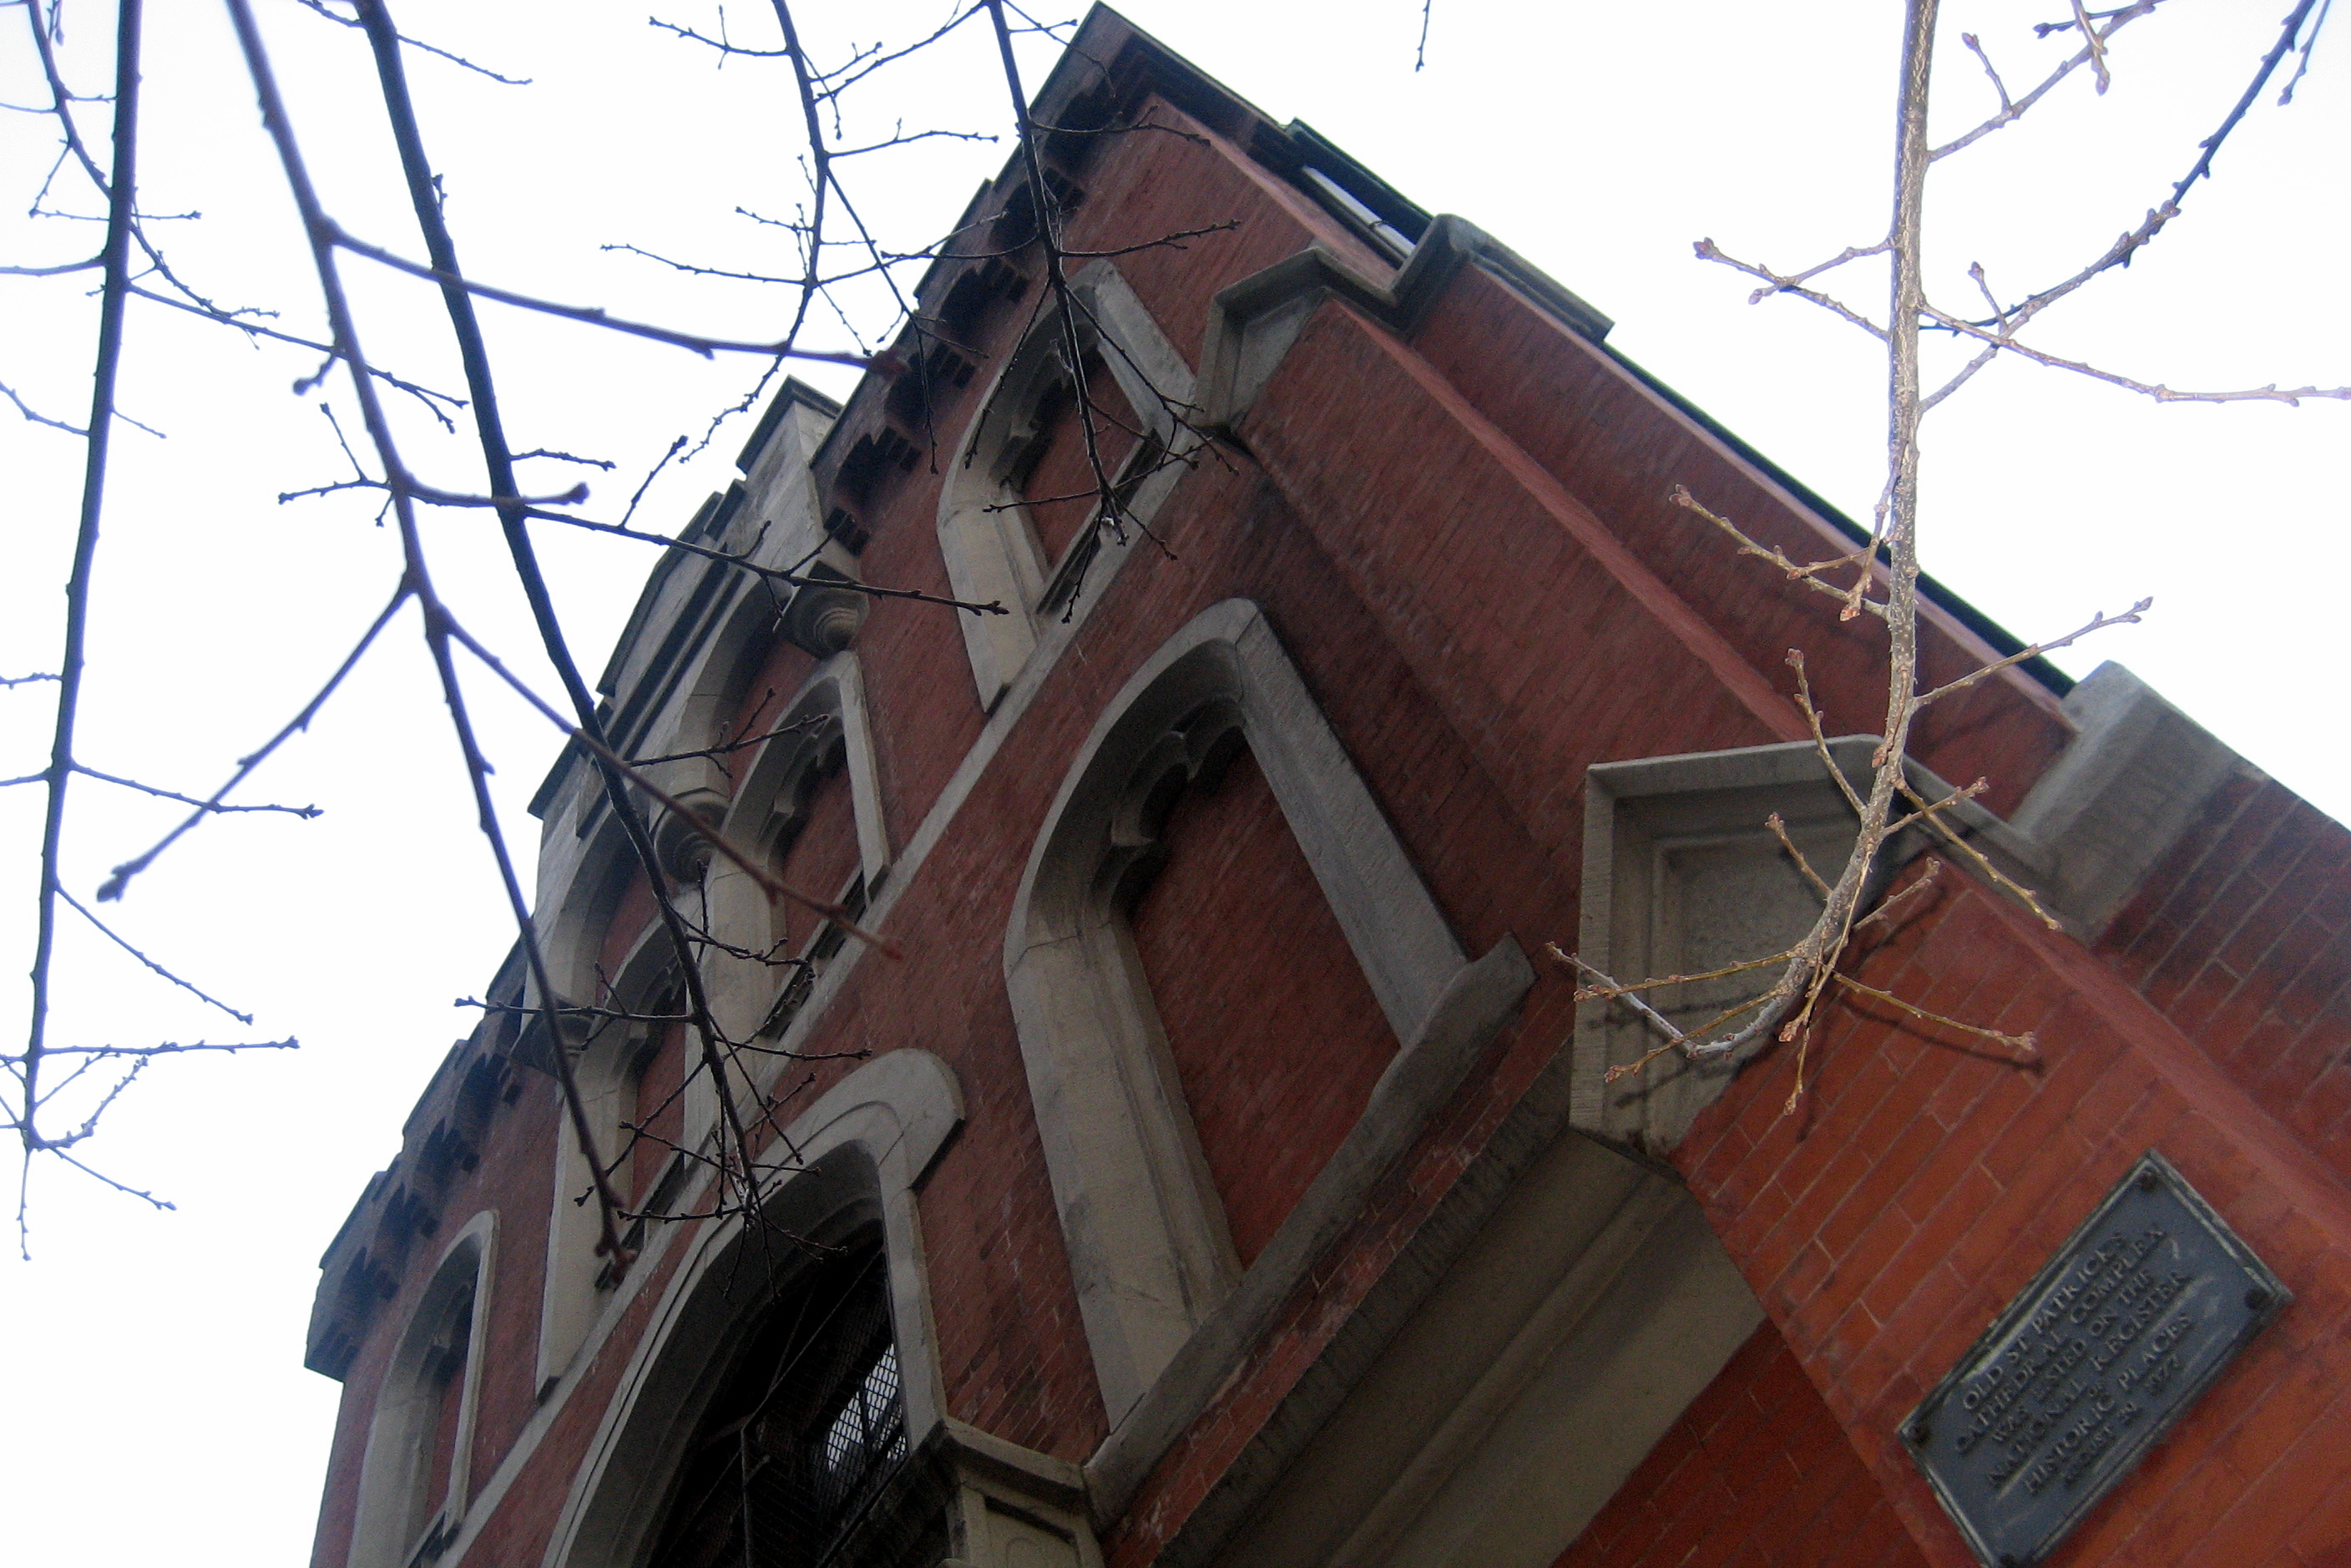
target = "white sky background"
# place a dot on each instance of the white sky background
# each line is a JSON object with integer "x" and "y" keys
{"x": 156, "y": 1407}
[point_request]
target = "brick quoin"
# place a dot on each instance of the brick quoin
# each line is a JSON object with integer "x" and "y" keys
{"x": 1448, "y": 503}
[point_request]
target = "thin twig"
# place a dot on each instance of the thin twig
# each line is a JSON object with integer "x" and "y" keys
{"x": 2012, "y": 112}
{"x": 119, "y": 878}
{"x": 305, "y": 812}
{"x": 1796, "y": 571}
{"x": 2097, "y": 622}
{"x": 2023, "y": 1042}
{"x": 117, "y": 938}
{"x": 1780, "y": 831}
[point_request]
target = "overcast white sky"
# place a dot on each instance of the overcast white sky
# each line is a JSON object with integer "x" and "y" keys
{"x": 157, "y": 1408}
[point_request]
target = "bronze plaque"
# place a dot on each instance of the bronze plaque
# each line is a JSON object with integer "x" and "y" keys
{"x": 2132, "y": 1320}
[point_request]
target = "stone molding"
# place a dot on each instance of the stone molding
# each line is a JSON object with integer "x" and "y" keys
{"x": 1254, "y": 322}
{"x": 800, "y": 736}
{"x": 990, "y": 553}
{"x": 1680, "y": 874}
{"x": 1166, "y": 1307}
{"x": 385, "y": 1531}
{"x": 2113, "y": 805}
{"x": 859, "y": 1152}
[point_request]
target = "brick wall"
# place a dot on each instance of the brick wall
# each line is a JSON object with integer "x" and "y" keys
{"x": 1276, "y": 1035}
{"x": 2242, "y": 938}
{"x": 1925, "y": 1175}
{"x": 1756, "y": 1474}
{"x": 1619, "y": 448}
{"x": 1059, "y": 489}
{"x": 1486, "y": 600}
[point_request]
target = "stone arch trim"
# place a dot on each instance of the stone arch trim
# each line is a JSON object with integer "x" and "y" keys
{"x": 384, "y": 1533}
{"x": 829, "y": 707}
{"x": 1166, "y": 1307}
{"x": 859, "y": 1155}
{"x": 983, "y": 534}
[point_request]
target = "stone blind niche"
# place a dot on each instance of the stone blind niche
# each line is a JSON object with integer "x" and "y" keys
{"x": 1167, "y": 1308}
{"x": 992, "y": 553}
{"x": 413, "y": 1488}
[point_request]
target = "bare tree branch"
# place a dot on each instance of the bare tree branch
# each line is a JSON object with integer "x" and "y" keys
{"x": 122, "y": 186}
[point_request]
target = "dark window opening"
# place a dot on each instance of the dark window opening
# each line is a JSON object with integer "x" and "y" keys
{"x": 792, "y": 1462}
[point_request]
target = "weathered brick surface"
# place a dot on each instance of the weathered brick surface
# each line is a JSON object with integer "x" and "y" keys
{"x": 2243, "y": 939}
{"x": 1061, "y": 489}
{"x": 1620, "y": 449}
{"x": 1461, "y": 543}
{"x": 657, "y": 1108}
{"x": 1276, "y": 1035}
{"x": 1925, "y": 1175}
{"x": 1756, "y": 1473}
{"x": 633, "y": 912}
{"x": 819, "y": 861}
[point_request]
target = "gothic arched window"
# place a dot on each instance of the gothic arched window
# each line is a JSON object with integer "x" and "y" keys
{"x": 1017, "y": 512}
{"x": 1151, "y": 1243}
{"x": 804, "y": 1434}
{"x": 413, "y": 1483}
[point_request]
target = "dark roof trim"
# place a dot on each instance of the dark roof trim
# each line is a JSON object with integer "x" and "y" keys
{"x": 1315, "y": 150}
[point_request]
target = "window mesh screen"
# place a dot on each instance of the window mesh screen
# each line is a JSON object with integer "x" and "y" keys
{"x": 800, "y": 1460}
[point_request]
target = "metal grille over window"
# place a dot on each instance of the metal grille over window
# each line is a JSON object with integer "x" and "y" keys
{"x": 793, "y": 1464}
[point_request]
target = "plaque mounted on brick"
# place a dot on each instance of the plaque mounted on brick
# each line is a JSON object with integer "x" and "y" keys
{"x": 2114, "y": 1340}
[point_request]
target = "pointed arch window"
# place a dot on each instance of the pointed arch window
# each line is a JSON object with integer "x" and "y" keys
{"x": 413, "y": 1485}
{"x": 1161, "y": 1288}
{"x": 793, "y": 1458}
{"x": 1016, "y": 511}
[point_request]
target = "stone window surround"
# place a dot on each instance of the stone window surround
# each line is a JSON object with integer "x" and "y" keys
{"x": 1168, "y": 1312}
{"x": 862, "y": 1153}
{"x": 735, "y": 910}
{"x": 771, "y": 784}
{"x": 990, "y": 553}
{"x": 400, "y": 1434}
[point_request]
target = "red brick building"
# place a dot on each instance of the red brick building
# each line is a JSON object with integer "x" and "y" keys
{"x": 1221, "y": 1176}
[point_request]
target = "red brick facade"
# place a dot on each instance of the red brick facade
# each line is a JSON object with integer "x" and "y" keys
{"x": 1448, "y": 501}
{"x": 1756, "y": 1473}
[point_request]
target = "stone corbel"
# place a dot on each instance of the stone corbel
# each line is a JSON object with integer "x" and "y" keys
{"x": 1011, "y": 1507}
{"x": 824, "y": 616}
{"x": 681, "y": 846}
